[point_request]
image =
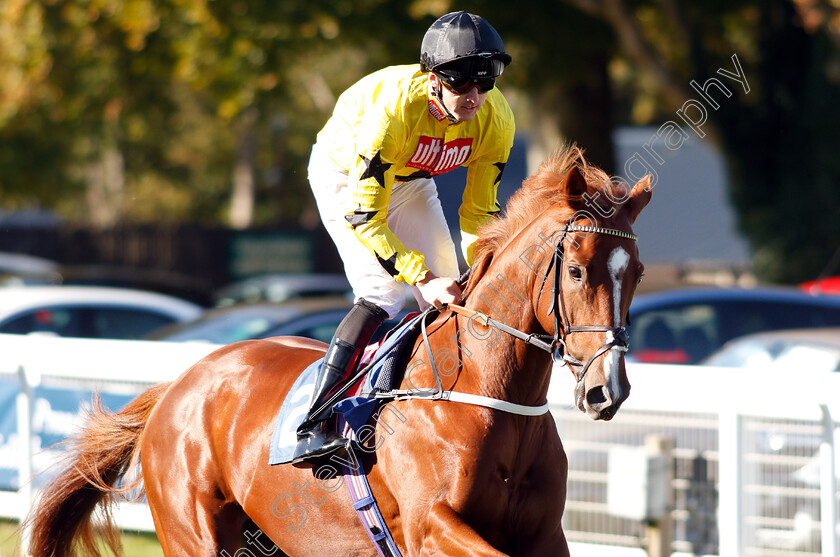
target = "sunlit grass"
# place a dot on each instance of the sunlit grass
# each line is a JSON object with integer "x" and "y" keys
{"x": 134, "y": 545}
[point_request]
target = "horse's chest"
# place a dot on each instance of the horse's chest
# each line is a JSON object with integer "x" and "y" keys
{"x": 519, "y": 468}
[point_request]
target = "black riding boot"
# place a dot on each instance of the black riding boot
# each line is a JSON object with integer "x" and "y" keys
{"x": 351, "y": 337}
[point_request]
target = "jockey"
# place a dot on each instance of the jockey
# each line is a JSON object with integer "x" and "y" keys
{"x": 371, "y": 171}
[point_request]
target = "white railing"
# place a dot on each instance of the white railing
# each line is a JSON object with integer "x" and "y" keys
{"x": 767, "y": 439}
{"x": 719, "y": 420}
{"x": 32, "y": 363}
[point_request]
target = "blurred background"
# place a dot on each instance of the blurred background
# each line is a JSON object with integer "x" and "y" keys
{"x": 164, "y": 144}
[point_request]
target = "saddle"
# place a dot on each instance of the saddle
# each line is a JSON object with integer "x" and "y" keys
{"x": 380, "y": 370}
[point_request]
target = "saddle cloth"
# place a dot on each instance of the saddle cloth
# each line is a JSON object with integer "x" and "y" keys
{"x": 384, "y": 364}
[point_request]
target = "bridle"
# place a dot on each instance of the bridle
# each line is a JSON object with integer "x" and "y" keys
{"x": 620, "y": 339}
{"x": 556, "y": 345}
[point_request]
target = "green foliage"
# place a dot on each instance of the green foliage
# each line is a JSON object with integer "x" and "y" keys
{"x": 148, "y": 105}
{"x": 779, "y": 139}
{"x": 782, "y": 147}
{"x": 166, "y": 84}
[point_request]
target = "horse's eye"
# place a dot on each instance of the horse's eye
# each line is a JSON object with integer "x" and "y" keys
{"x": 575, "y": 273}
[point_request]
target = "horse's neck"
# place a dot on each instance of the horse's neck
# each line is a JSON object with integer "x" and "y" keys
{"x": 507, "y": 367}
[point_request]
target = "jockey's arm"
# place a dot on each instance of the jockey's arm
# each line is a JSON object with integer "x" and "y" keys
{"x": 372, "y": 181}
{"x": 479, "y": 203}
{"x": 369, "y": 222}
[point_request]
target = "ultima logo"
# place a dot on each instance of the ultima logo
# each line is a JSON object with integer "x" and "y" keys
{"x": 436, "y": 157}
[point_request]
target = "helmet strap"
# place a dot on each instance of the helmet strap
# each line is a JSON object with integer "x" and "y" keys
{"x": 438, "y": 95}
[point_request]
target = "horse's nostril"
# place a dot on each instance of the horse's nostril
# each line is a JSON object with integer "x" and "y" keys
{"x": 595, "y": 397}
{"x": 608, "y": 414}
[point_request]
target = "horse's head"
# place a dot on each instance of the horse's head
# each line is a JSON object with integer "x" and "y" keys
{"x": 567, "y": 234}
{"x": 593, "y": 276}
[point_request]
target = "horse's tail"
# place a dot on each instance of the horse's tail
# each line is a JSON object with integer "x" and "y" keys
{"x": 106, "y": 449}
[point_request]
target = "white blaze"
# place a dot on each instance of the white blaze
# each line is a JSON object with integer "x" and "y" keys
{"x": 616, "y": 264}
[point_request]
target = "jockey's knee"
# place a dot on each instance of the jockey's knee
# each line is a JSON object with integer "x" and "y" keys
{"x": 391, "y": 300}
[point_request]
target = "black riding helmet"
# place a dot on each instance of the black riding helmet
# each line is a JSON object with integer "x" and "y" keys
{"x": 463, "y": 45}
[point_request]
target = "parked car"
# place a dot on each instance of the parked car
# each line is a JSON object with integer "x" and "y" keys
{"x": 18, "y": 269}
{"x": 276, "y": 288}
{"x": 196, "y": 289}
{"x": 312, "y": 318}
{"x": 90, "y": 312}
{"x": 827, "y": 285}
{"x": 812, "y": 349}
{"x": 686, "y": 325}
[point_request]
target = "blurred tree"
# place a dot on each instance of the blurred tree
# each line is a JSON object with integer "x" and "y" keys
{"x": 205, "y": 111}
{"x": 30, "y": 159}
{"x": 148, "y": 109}
{"x": 779, "y": 138}
{"x": 560, "y": 69}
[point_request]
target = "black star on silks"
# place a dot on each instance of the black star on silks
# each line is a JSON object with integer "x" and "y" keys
{"x": 501, "y": 167}
{"x": 390, "y": 264}
{"x": 359, "y": 217}
{"x": 375, "y": 168}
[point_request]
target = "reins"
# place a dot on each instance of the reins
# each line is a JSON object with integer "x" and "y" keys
{"x": 438, "y": 392}
{"x": 532, "y": 339}
{"x": 556, "y": 345}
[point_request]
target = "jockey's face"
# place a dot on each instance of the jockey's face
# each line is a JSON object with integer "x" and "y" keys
{"x": 463, "y": 106}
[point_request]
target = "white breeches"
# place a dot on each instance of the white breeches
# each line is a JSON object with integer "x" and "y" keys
{"x": 414, "y": 216}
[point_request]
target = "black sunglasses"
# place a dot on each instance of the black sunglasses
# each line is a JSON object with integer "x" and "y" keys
{"x": 463, "y": 85}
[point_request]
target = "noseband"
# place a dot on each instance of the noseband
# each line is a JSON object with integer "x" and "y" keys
{"x": 556, "y": 345}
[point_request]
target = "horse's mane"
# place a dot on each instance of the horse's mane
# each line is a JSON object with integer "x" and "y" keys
{"x": 537, "y": 194}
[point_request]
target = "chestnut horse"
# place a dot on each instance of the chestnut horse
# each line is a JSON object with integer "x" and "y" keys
{"x": 451, "y": 478}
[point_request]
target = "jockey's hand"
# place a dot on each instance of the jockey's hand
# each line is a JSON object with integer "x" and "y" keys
{"x": 438, "y": 291}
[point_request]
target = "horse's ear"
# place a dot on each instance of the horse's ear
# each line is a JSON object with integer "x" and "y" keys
{"x": 638, "y": 199}
{"x": 574, "y": 186}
